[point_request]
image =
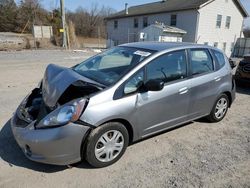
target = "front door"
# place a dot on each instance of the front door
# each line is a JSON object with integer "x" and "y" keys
{"x": 158, "y": 110}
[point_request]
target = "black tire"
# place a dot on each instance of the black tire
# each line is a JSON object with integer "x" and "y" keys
{"x": 212, "y": 116}
{"x": 93, "y": 140}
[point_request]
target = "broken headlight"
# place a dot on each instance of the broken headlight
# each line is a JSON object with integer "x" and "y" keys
{"x": 69, "y": 112}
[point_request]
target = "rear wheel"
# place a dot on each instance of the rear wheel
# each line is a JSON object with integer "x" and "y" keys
{"x": 106, "y": 144}
{"x": 220, "y": 109}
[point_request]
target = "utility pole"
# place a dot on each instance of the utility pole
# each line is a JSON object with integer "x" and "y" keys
{"x": 63, "y": 24}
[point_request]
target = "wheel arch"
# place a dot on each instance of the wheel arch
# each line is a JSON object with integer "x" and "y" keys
{"x": 229, "y": 95}
{"x": 127, "y": 125}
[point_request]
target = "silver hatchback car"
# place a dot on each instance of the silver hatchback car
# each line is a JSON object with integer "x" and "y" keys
{"x": 96, "y": 108}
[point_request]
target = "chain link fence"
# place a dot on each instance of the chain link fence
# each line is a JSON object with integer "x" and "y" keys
{"x": 242, "y": 47}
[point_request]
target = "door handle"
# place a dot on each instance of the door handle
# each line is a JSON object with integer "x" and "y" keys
{"x": 183, "y": 90}
{"x": 217, "y": 79}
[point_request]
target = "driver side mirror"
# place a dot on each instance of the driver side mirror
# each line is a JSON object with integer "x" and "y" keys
{"x": 154, "y": 85}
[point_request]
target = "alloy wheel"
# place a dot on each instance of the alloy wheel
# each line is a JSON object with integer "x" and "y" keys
{"x": 221, "y": 108}
{"x": 109, "y": 146}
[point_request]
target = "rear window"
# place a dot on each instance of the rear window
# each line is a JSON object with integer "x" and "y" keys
{"x": 201, "y": 61}
{"x": 220, "y": 59}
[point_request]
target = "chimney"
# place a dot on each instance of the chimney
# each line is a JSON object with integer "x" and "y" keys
{"x": 126, "y": 8}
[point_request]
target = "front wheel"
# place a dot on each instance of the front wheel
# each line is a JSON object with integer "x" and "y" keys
{"x": 220, "y": 109}
{"x": 106, "y": 144}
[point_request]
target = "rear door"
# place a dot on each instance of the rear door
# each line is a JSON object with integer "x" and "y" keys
{"x": 203, "y": 90}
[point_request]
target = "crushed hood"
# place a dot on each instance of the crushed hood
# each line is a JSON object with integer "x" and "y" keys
{"x": 56, "y": 80}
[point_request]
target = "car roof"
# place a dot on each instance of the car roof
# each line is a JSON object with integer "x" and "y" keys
{"x": 160, "y": 46}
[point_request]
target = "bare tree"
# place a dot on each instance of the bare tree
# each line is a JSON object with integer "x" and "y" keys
{"x": 31, "y": 11}
{"x": 89, "y": 22}
{"x": 8, "y": 15}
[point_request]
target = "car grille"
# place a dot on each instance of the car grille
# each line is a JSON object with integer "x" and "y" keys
{"x": 246, "y": 68}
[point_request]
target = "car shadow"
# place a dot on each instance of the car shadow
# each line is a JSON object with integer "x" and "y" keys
{"x": 12, "y": 154}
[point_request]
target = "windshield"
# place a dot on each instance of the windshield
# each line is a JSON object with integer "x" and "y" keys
{"x": 108, "y": 67}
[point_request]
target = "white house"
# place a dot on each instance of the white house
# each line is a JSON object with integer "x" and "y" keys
{"x": 212, "y": 22}
{"x": 161, "y": 33}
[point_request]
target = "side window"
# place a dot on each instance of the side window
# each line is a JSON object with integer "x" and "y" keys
{"x": 201, "y": 61}
{"x": 145, "y": 21}
{"x": 133, "y": 83}
{"x": 173, "y": 20}
{"x": 136, "y": 23}
{"x": 218, "y": 21}
{"x": 168, "y": 67}
{"x": 228, "y": 22}
{"x": 115, "y": 24}
{"x": 220, "y": 59}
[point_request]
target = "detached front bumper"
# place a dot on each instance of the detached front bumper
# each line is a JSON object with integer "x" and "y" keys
{"x": 59, "y": 146}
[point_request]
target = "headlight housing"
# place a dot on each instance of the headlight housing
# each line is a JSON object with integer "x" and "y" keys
{"x": 69, "y": 112}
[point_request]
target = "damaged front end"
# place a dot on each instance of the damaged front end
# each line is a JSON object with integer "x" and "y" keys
{"x": 46, "y": 124}
{"x": 61, "y": 98}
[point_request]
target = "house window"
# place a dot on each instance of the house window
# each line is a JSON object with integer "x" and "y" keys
{"x": 224, "y": 46}
{"x": 136, "y": 23}
{"x": 115, "y": 24}
{"x": 145, "y": 21}
{"x": 218, "y": 22}
{"x": 173, "y": 20}
{"x": 206, "y": 43}
{"x": 216, "y": 44}
{"x": 228, "y": 22}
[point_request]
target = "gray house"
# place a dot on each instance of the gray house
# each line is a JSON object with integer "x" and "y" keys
{"x": 213, "y": 22}
{"x": 161, "y": 33}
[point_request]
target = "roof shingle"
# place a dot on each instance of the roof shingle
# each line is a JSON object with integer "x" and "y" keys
{"x": 166, "y": 6}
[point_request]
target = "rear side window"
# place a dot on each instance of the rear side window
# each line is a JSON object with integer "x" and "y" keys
{"x": 168, "y": 67}
{"x": 201, "y": 61}
{"x": 220, "y": 59}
